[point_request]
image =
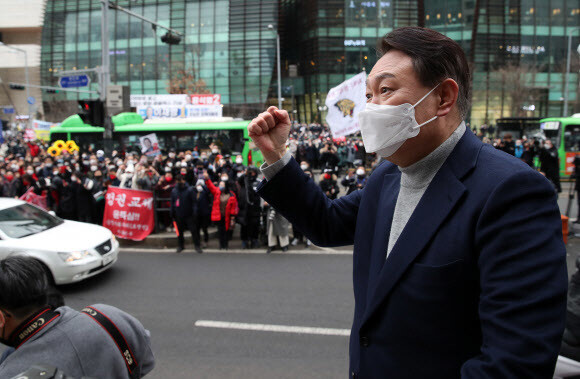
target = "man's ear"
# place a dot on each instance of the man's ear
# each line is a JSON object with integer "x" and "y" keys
{"x": 448, "y": 91}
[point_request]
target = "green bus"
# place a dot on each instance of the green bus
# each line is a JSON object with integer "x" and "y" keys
{"x": 565, "y": 135}
{"x": 230, "y": 136}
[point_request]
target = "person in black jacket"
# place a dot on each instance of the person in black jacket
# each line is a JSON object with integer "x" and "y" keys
{"x": 250, "y": 208}
{"x": 182, "y": 212}
{"x": 203, "y": 202}
{"x": 550, "y": 164}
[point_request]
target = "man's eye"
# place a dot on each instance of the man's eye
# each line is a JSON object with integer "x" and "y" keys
{"x": 369, "y": 96}
{"x": 385, "y": 89}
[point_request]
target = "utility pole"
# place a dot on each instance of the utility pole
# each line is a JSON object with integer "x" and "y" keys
{"x": 271, "y": 27}
{"x": 105, "y": 78}
{"x": 567, "y": 77}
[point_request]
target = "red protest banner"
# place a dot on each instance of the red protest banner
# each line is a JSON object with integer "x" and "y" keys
{"x": 129, "y": 213}
{"x": 32, "y": 198}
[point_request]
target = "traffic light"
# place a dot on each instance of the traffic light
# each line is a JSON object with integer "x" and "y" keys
{"x": 51, "y": 90}
{"x": 170, "y": 38}
{"x": 92, "y": 112}
{"x": 16, "y": 86}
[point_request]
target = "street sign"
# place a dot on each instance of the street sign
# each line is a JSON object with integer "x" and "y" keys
{"x": 8, "y": 110}
{"x": 74, "y": 81}
{"x": 31, "y": 100}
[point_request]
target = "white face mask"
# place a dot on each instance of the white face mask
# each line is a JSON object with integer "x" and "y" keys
{"x": 360, "y": 172}
{"x": 94, "y": 168}
{"x": 385, "y": 128}
{"x": 188, "y": 157}
{"x": 214, "y": 151}
{"x": 224, "y": 178}
{"x": 30, "y": 172}
{"x": 239, "y": 160}
{"x": 304, "y": 167}
{"x": 171, "y": 155}
{"x": 199, "y": 188}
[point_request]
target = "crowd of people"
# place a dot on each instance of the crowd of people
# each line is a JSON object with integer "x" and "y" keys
{"x": 197, "y": 188}
{"x": 194, "y": 189}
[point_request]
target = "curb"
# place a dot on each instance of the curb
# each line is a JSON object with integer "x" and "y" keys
{"x": 312, "y": 251}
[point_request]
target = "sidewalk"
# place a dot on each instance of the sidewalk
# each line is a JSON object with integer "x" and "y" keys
{"x": 167, "y": 242}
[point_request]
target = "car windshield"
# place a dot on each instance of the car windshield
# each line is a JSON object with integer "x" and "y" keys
{"x": 25, "y": 220}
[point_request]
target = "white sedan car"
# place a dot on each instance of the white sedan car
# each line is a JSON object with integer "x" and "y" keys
{"x": 70, "y": 250}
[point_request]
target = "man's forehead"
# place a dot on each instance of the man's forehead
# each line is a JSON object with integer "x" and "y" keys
{"x": 394, "y": 64}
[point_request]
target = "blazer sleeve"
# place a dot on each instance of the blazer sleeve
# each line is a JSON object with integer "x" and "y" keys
{"x": 523, "y": 281}
{"x": 325, "y": 222}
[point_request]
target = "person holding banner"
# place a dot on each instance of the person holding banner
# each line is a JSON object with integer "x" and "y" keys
{"x": 459, "y": 264}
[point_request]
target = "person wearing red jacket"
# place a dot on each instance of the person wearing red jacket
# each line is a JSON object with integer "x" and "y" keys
{"x": 224, "y": 208}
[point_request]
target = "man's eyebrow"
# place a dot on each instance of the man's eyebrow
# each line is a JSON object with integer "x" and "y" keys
{"x": 381, "y": 75}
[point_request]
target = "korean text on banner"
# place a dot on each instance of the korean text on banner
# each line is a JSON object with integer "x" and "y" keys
{"x": 344, "y": 102}
{"x": 129, "y": 213}
{"x": 32, "y": 198}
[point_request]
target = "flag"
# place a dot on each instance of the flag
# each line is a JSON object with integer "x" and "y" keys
{"x": 344, "y": 102}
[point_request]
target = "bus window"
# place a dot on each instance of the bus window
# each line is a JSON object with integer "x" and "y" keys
{"x": 551, "y": 130}
{"x": 185, "y": 141}
{"x": 572, "y": 138}
{"x": 229, "y": 141}
{"x": 87, "y": 141}
{"x": 58, "y": 136}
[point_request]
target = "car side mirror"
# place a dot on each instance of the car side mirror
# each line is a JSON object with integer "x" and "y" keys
{"x": 52, "y": 213}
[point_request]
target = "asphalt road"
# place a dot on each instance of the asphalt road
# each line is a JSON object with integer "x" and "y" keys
{"x": 169, "y": 292}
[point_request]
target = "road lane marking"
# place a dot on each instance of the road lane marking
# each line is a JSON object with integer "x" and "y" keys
{"x": 326, "y": 251}
{"x": 272, "y": 328}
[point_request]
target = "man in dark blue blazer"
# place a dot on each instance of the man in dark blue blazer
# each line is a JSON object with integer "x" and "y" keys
{"x": 459, "y": 267}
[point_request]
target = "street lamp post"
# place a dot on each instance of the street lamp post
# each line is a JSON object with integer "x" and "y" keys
{"x": 271, "y": 27}
{"x": 27, "y": 78}
{"x": 566, "y": 84}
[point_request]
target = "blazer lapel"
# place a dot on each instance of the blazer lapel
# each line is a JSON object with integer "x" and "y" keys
{"x": 436, "y": 204}
{"x": 384, "y": 217}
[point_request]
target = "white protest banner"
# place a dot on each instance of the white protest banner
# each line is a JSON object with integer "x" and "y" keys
{"x": 344, "y": 102}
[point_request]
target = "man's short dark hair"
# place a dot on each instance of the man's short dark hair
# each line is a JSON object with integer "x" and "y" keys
{"x": 23, "y": 285}
{"x": 435, "y": 58}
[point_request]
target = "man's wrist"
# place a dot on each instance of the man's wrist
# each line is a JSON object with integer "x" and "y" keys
{"x": 270, "y": 171}
{"x": 274, "y": 156}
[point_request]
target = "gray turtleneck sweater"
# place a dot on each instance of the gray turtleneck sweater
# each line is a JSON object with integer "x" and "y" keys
{"x": 414, "y": 182}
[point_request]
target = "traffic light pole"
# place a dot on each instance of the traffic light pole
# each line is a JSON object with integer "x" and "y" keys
{"x": 104, "y": 74}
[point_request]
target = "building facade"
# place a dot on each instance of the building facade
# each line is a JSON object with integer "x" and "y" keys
{"x": 517, "y": 49}
{"x": 227, "y": 48}
{"x": 20, "y": 33}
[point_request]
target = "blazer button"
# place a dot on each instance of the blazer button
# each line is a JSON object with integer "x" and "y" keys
{"x": 353, "y": 375}
{"x": 364, "y": 341}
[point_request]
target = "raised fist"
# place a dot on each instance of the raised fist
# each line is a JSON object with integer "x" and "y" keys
{"x": 269, "y": 131}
